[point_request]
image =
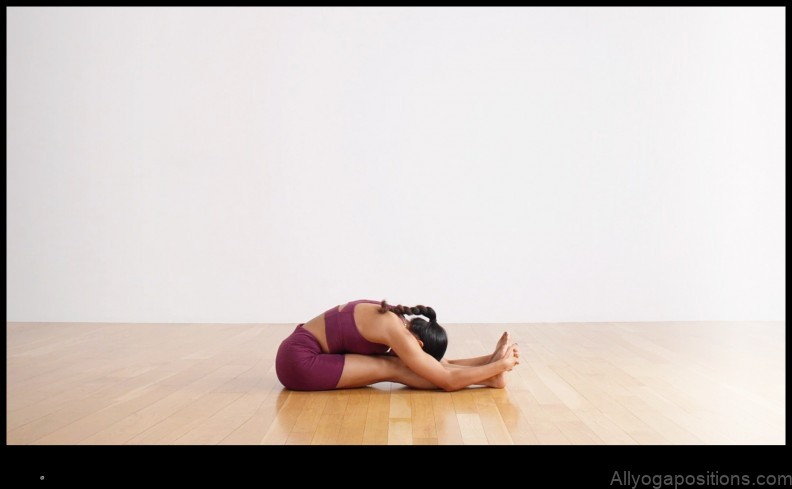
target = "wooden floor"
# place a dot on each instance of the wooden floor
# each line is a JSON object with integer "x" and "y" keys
{"x": 585, "y": 383}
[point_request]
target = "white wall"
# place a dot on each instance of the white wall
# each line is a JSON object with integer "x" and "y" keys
{"x": 500, "y": 165}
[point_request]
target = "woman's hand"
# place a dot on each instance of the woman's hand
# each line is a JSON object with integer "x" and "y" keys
{"x": 511, "y": 357}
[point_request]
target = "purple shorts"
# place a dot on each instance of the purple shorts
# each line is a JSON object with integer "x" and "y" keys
{"x": 302, "y": 366}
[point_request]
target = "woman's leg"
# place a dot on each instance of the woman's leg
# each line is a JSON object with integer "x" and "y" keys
{"x": 363, "y": 370}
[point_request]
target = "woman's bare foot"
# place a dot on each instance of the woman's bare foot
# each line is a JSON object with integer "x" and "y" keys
{"x": 497, "y": 382}
{"x": 500, "y": 348}
{"x": 505, "y": 349}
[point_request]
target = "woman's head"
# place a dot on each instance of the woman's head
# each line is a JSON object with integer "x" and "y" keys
{"x": 430, "y": 333}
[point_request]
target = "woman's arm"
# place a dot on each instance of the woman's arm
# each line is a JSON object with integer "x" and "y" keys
{"x": 403, "y": 343}
{"x": 411, "y": 379}
{"x": 500, "y": 350}
{"x": 472, "y": 362}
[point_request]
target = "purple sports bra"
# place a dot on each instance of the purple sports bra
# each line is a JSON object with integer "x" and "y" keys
{"x": 342, "y": 333}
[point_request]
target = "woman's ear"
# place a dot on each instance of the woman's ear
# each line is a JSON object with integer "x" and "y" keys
{"x": 417, "y": 338}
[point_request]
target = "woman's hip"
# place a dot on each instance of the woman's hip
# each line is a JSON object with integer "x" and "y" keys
{"x": 300, "y": 363}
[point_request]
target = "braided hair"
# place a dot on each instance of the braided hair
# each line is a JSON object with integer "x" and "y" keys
{"x": 433, "y": 336}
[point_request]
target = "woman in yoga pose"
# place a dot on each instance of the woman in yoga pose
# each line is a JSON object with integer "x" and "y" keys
{"x": 364, "y": 342}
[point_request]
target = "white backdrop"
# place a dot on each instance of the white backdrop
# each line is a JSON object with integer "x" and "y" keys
{"x": 499, "y": 165}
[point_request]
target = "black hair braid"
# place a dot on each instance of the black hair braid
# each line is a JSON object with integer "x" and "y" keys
{"x": 419, "y": 310}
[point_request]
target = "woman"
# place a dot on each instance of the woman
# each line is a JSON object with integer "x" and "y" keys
{"x": 364, "y": 342}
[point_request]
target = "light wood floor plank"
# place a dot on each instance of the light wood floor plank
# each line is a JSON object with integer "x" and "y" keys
{"x": 375, "y": 431}
{"x": 423, "y": 420}
{"x": 446, "y": 422}
{"x": 472, "y": 430}
{"x": 353, "y": 424}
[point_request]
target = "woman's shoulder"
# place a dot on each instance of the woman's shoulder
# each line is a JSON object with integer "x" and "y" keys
{"x": 374, "y": 324}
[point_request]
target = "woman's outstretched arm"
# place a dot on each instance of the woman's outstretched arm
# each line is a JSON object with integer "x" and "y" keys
{"x": 469, "y": 362}
{"x": 503, "y": 342}
{"x": 405, "y": 346}
{"x": 409, "y": 378}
